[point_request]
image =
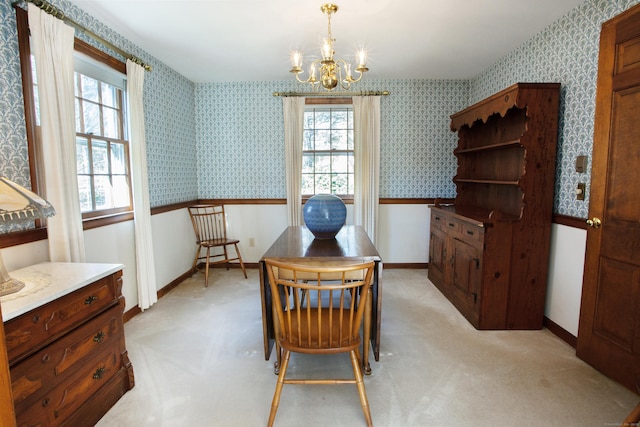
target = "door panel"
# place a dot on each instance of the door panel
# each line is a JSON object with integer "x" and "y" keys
{"x": 609, "y": 331}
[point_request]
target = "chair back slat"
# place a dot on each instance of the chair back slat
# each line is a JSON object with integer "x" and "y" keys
{"x": 319, "y": 308}
{"x": 209, "y": 222}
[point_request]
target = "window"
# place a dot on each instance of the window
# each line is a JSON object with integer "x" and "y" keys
{"x": 102, "y": 148}
{"x": 327, "y": 152}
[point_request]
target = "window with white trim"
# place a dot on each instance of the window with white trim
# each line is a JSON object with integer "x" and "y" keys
{"x": 327, "y": 152}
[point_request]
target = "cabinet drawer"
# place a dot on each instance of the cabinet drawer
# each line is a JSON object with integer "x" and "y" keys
{"x": 452, "y": 224}
{"x": 56, "y": 405}
{"x": 34, "y": 376}
{"x": 437, "y": 219}
{"x": 31, "y": 331}
{"x": 473, "y": 232}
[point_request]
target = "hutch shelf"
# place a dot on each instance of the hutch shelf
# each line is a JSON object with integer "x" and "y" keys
{"x": 489, "y": 250}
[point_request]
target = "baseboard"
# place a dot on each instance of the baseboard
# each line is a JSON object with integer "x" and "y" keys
{"x": 129, "y": 314}
{"x": 560, "y": 332}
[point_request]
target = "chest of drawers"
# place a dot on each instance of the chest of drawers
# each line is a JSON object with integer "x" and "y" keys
{"x": 67, "y": 356}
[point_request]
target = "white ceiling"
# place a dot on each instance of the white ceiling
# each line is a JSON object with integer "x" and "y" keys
{"x": 251, "y": 40}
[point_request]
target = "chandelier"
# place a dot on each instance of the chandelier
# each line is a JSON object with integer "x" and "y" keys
{"x": 332, "y": 72}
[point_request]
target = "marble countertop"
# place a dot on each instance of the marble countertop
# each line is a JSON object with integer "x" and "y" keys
{"x": 48, "y": 281}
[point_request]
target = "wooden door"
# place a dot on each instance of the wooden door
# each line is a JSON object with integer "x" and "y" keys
{"x": 609, "y": 331}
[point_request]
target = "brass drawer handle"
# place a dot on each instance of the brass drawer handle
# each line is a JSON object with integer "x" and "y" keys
{"x": 99, "y": 337}
{"x": 90, "y": 299}
{"x": 99, "y": 373}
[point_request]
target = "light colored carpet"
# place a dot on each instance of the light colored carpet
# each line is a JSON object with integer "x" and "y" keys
{"x": 198, "y": 361}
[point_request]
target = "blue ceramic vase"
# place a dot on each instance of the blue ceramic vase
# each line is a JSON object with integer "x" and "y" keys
{"x": 324, "y": 215}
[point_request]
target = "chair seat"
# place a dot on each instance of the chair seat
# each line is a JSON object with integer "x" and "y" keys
{"x": 328, "y": 339}
{"x": 218, "y": 242}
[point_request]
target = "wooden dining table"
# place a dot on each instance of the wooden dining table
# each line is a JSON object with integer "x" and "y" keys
{"x": 297, "y": 244}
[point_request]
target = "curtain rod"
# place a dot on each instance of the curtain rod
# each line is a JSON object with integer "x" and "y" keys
{"x": 329, "y": 94}
{"x": 54, "y": 11}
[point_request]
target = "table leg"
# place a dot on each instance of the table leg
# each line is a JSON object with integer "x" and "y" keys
{"x": 367, "y": 334}
{"x": 267, "y": 311}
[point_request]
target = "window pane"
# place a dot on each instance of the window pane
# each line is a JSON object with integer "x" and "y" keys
{"x": 100, "y": 157}
{"x": 118, "y": 159}
{"x": 82, "y": 156}
{"x": 339, "y": 119}
{"x": 339, "y": 139}
{"x": 307, "y": 184}
{"x": 109, "y": 95}
{"x": 323, "y": 184}
{"x": 103, "y": 193}
{"x": 89, "y": 88}
{"x": 309, "y": 121}
{"x": 84, "y": 190}
{"x": 91, "y": 118}
{"x": 110, "y": 122}
{"x": 339, "y": 162}
{"x": 323, "y": 119}
{"x": 307, "y": 163}
{"x": 120, "y": 191}
{"x": 308, "y": 140}
{"x": 323, "y": 163}
{"x": 340, "y": 184}
{"x": 323, "y": 140}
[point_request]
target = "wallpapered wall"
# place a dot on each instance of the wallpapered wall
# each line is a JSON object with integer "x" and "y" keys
{"x": 565, "y": 52}
{"x": 233, "y": 131}
{"x": 169, "y": 112}
{"x": 240, "y": 136}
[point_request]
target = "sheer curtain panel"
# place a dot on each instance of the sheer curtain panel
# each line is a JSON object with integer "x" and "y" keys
{"x": 366, "y": 118}
{"x": 145, "y": 263}
{"x": 52, "y": 47}
{"x": 293, "y": 108}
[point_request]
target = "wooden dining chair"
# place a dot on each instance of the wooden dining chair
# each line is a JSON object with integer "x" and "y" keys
{"x": 318, "y": 309}
{"x": 210, "y": 226}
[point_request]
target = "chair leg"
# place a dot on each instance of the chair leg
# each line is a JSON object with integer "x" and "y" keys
{"x": 240, "y": 260}
{"x": 195, "y": 260}
{"x": 206, "y": 269}
{"x": 357, "y": 371}
{"x": 276, "y": 395}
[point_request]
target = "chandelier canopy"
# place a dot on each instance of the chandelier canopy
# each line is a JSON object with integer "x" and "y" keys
{"x": 333, "y": 73}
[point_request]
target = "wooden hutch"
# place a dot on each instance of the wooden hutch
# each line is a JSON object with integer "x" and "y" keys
{"x": 489, "y": 251}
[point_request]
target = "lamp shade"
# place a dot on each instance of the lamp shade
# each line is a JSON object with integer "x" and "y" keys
{"x": 18, "y": 205}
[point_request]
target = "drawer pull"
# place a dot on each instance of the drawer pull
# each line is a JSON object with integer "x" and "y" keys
{"x": 90, "y": 299}
{"x": 36, "y": 318}
{"x": 451, "y": 224}
{"x": 437, "y": 218}
{"x": 45, "y": 402}
{"x": 99, "y": 337}
{"x": 46, "y": 358}
{"x": 99, "y": 373}
{"x": 470, "y": 233}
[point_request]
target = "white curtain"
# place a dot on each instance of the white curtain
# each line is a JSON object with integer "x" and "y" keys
{"x": 145, "y": 264}
{"x": 293, "y": 108}
{"x": 366, "y": 118}
{"x": 52, "y": 47}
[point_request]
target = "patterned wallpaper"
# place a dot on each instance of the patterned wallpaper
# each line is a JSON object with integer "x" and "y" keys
{"x": 169, "y": 112}
{"x": 240, "y": 138}
{"x": 226, "y": 140}
{"x": 565, "y": 52}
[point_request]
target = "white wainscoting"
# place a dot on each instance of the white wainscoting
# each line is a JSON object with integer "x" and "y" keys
{"x": 403, "y": 238}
